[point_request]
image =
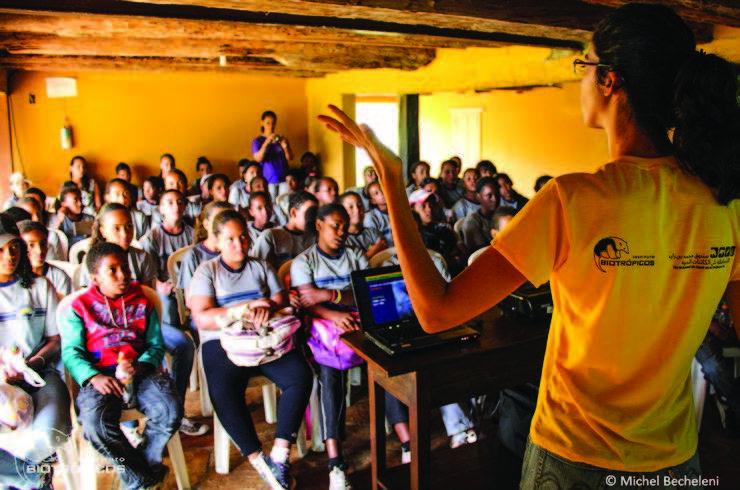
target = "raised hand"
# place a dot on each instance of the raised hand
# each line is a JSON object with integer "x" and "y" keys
{"x": 387, "y": 164}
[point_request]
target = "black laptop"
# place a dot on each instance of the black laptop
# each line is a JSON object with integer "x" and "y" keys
{"x": 388, "y": 318}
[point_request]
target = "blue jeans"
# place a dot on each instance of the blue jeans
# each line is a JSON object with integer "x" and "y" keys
{"x": 50, "y": 430}
{"x": 227, "y": 383}
{"x": 544, "y": 470}
{"x": 457, "y": 417}
{"x": 100, "y": 415}
{"x": 182, "y": 349}
{"x": 333, "y": 386}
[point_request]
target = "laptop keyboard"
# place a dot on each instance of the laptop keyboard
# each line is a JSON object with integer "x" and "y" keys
{"x": 396, "y": 333}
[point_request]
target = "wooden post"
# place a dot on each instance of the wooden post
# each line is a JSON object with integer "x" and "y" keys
{"x": 348, "y": 151}
{"x": 6, "y": 162}
{"x": 408, "y": 131}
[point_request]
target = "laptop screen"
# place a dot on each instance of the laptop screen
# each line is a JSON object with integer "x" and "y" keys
{"x": 388, "y": 298}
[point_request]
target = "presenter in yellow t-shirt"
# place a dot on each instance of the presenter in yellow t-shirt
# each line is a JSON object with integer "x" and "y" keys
{"x": 638, "y": 255}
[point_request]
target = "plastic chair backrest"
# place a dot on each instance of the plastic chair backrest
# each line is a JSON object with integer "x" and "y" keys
{"x": 77, "y": 249}
{"x": 458, "y": 225}
{"x": 68, "y": 267}
{"x": 476, "y": 254}
{"x": 173, "y": 268}
{"x": 379, "y": 258}
{"x": 63, "y": 243}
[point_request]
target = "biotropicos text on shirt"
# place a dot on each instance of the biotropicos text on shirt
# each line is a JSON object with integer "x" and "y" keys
{"x": 614, "y": 252}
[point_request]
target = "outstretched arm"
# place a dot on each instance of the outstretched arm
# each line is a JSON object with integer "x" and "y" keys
{"x": 477, "y": 289}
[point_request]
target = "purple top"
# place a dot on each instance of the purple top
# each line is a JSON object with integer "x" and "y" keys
{"x": 274, "y": 164}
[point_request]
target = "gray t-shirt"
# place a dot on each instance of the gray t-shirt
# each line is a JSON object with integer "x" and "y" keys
{"x": 142, "y": 265}
{"x": 228, "y": 287}
{"x": 59, "y": 279}
{"x": 325, "y": 272}
{"x": 238, "y": 194}
{"x": 365, "y": 239}
{"x": 142, "y": 223}
{"x": 160, "y": 245}
{"x": 475, "y": 231}
{"x": 255, "y": 234}
{"x": 464, "y": 207}
{"x": 279, "y": 245}
{"x": 190, "y": 261}
{"x": 27, "y": 315}
{"x": 379, "y": 220}
{"x": 146, "y": 207}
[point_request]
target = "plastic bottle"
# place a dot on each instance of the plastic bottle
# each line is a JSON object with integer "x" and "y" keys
{"x": 126, "y": 380}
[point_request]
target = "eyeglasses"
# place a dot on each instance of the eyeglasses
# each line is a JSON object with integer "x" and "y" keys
{"x": 579, "y": 66}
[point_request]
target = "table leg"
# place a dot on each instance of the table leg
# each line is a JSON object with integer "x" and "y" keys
{"x": 420, "y": 438}
{"x": 377, "y": 428}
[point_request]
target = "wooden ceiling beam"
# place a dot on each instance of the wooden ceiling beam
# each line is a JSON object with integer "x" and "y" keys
{"x": 121, "y": 27}
{"x": 409, "y": 23}
{"x": 115, "y": 63}
{"x": 723, "y": 12}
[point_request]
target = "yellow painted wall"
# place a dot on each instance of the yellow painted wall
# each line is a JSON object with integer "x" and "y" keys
{"x": 135, "y": 117}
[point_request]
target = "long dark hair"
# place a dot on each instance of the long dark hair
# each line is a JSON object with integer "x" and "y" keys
{"x": 24, "y": 270}
{"x": 109, "y": 207}
{"x": 671, "y": 85}
{"x": 85, "y": 180}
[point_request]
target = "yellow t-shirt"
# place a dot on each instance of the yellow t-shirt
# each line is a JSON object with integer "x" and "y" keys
{"x": 638, "y": 255}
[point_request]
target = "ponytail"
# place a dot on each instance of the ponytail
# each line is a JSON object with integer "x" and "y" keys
{"x": 706, "y": 139}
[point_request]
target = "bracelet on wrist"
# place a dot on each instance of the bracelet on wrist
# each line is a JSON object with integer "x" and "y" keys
{"x": 338, "y": 297}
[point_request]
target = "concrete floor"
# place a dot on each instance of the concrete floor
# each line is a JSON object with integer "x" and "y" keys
{"x": 496, "y": 467}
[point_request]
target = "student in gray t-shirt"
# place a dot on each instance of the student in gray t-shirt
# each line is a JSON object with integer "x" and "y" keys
{"x": 261, "y": 211}
{"x": 322, "y": 276}
{"x": 279, "y": 245}
{"x": 36, "y": 236}
{"x": 378, "y": 217}
{"x": 475, "y": 229}
{"x": 119, "y": 191}
{"x": 367, "y": 239}
{"x": 235, "y": 286}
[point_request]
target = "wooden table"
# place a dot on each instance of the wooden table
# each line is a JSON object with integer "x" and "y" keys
{"x": 507, "y": 353}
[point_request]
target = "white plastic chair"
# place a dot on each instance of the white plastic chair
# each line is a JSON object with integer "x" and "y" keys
{"x": 58, "y": 245}
{"x": 86, "y": 458}
{"x": 81, "y": 246}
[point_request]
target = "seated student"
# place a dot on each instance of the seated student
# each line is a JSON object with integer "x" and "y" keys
{"x": 203, "y": 168}
{"x": 206, "y": 243}
{"x": 509, "y": 197}
{"x": 501, "y": 218}
{"x": 166, "y": 163}
{"x": 468, "y": 203}
{"x": 259, "y": 184}
{"x": 111, "y": 327}
{"x": 322, "y": 276}
{"x": 419, "y": 171}
{"x": 114, "y": 224}
{"x": 31, "y": 203}
{"x": 295, "y": 179}
{"x": 70, "y": 212}
{"x": 169, "y": 236}
{"x": 378, "y": 217}
{"x": 123, "y": 172}
{"x": 279, "y": 245}
{"x": 40, "y": 196}
{"x": 175, "y": 179}
{"x": 369, "y": 240}
{"x": 78, "y": 173}
{"x": 541, "y": 181}
{"x": 432, "y": 186}
{"x": 118, "y": 191}
{"x": 237, "y": 286}
{"x": 486, "y": 168}
{"x": 369, "y": 176}
{"x": 150, "y": 191}
{"x": 36, "y": 237}
{"x": 217, "y": 187}
{"x": 327, "y": 191}
{"x": 239, "y": 190}
{"x": 260, "y": 210}
{"x": 310, "y": 168}
{"x": 438, "y": 235}
{"x": 450, "y": 186}
{"x": 475, "y": 229}
{"x": 27, "y": 321}
{"x": 18, "y": 186}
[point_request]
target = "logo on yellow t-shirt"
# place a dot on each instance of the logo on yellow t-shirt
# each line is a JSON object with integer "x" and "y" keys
{"x": 612, "y": 251}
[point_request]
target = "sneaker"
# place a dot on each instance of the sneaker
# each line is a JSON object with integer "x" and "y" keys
{"x": 405, "y": 456}
{"x": 274, "y": 474}
{"x": 133, "y": 435}
{"x": 338, "y": 479}
{"x": 462, "y": 438}
{"x": 189, "y": 427}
